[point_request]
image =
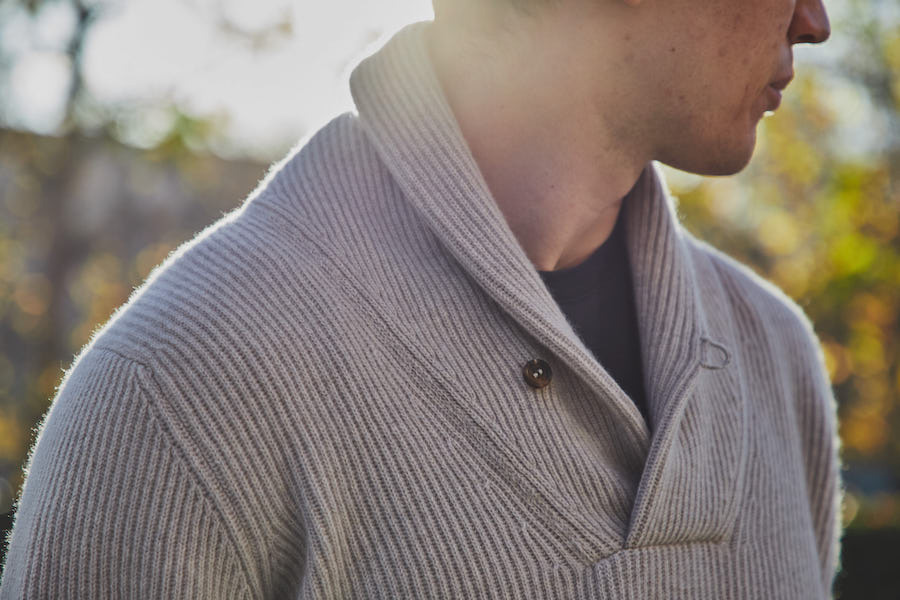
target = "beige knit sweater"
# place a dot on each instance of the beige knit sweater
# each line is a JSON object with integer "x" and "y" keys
{"x": 322, "y": 397}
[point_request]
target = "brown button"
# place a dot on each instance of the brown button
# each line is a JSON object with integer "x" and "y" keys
{"x": 537, "y": 373}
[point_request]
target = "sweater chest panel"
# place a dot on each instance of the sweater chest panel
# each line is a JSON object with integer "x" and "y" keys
{"x": 415, "y": 484}
{"x": 437, "y": 325}
{"x": 438, "y": 420}
{"x": 407, "y": 449}
{"x": 426, "y": 490}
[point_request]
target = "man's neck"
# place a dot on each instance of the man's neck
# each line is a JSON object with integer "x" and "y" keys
{"x": 552, "y": 152}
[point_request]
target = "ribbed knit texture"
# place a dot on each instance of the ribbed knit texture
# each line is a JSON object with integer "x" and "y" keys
{"x": 321, "y": 396}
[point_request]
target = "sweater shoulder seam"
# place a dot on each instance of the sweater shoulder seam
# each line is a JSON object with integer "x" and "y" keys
{"x": 148, "y": 377}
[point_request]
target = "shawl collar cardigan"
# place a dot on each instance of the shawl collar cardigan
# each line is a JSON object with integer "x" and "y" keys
{"x": 321, "y": 397}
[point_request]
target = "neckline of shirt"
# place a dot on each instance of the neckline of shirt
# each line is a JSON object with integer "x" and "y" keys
{"x": 599, "y": 268}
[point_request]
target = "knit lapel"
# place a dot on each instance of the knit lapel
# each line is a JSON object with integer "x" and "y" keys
{"x": 402, "y": 106}
{"x": 403, "y": 109}
{"x": 670, "y": 319}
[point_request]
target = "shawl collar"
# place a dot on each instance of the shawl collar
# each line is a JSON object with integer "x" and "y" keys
{"x": 405, "y": 114}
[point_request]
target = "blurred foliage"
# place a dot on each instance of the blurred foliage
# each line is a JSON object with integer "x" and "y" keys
{"x": 84, "y": 219}
{"x": 82, "y": 223}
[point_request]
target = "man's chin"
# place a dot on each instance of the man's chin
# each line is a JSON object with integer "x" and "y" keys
{"x": 714, "y": 163}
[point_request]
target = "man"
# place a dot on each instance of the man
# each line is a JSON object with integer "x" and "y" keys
{"x": 376, "y": 380}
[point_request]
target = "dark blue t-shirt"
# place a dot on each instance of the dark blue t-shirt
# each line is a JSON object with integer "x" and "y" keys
{"x": 597, "y": 297}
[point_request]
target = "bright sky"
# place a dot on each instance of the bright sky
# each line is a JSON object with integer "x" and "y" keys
{"x": 147, "y": 49}
{"x": 156, "y": 52}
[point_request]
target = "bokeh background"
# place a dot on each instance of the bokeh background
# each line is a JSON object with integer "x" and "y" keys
{"x": 128, "y": 125}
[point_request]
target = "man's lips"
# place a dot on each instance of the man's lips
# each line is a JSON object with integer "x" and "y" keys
{"x": 782, "y": 82}
{"x": 773, "y": 91}
{"x": 774, "y": 98}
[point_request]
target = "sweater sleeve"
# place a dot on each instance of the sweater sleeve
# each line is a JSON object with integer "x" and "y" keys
{"x": 817, "y": 420}
{"x": 110, "y": 507}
